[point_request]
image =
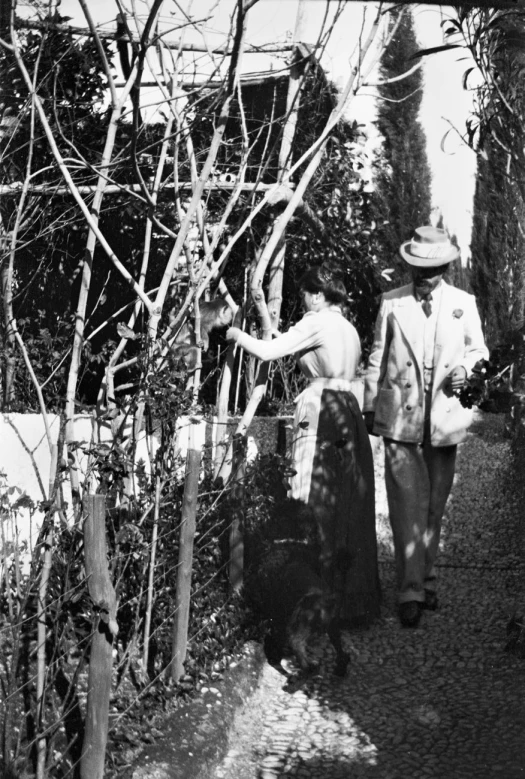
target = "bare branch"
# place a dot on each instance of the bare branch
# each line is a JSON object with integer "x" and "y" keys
{"x": 401, "y": 77}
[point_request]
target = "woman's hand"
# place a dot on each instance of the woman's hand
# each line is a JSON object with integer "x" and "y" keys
{"x": 233, "y": 334}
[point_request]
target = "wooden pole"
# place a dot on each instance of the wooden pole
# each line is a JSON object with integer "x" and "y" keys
{"x": 236, "y": 563}
{"x": 41, "y": 745}
{"x": 9, "y": 190}
{"x": 105, "y": 630}
{"x": 185, "y": 566}
{"x": 151, "y": 576}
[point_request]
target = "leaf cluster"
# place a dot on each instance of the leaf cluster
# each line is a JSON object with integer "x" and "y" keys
{"x": 496, "y": 385}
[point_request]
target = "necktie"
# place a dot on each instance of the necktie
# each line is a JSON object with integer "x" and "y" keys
{"x": 426, "y": 304}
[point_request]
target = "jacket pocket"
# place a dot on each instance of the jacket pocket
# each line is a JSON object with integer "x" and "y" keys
{"x": 386, "y": 407}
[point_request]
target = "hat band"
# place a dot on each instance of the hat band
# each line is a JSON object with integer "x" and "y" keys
{"x": 430, "y": 250}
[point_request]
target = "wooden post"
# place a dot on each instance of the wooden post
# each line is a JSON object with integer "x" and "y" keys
{"x": 236, "y": 563}
{"x": 47, "y": 544}
{"x": 185, "y": 567}
{"x": 151, "y": 576}
{"x": 105, "y": 629}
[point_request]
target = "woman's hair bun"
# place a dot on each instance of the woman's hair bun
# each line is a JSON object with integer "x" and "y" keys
{"x": 331, "y": 272}
{"x": 326, "y": 278}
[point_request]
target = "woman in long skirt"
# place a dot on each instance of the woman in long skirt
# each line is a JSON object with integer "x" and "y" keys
{"x": 331, "y": 451}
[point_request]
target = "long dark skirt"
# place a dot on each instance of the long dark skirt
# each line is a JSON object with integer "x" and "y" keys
{"x": 335, "y": 477}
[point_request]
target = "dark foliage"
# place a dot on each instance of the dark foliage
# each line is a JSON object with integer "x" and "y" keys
{"x": 494, "y": 39}
{"x": 496, "y": 385}
{"x": 498, "y": 247}
{"x": 50, "y": 258}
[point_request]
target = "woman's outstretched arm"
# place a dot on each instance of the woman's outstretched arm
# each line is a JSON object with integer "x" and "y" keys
{"x": 297, "y": 339}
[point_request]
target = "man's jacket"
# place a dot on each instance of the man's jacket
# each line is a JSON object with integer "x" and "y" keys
{"x": 394, "y": 385}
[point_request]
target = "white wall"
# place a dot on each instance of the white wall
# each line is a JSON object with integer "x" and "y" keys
{"x": 25, "y": 459}
{"x": 25, "y": 464}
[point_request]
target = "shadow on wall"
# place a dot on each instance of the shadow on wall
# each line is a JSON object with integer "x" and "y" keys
{"x": 25, "y": 459}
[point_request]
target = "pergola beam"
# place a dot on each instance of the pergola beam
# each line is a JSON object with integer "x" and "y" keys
{"x": 518, "y": 5}
{"x": 178, "y": 45}
{"x": 216, "y": 83}
{"x": 9, "y": 190}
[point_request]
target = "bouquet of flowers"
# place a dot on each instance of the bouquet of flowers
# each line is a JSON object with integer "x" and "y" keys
{"x": 488, "y": 388}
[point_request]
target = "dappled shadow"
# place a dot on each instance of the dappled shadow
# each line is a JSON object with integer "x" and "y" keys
{"x": 444, "y": 700}
{"x": 436, "y": 701}
{"x": 336, "y": 477}
{"x": 472, "y": 533}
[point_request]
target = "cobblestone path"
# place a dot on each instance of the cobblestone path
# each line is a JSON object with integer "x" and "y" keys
{"x": 443, "y": 701}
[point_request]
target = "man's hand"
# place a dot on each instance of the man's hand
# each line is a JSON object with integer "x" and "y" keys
{"x": 369, "y": 421}
{"x": 457, "y": 378}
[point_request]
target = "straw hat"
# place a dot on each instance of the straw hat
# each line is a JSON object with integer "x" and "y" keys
{"x": 429, "y": 247}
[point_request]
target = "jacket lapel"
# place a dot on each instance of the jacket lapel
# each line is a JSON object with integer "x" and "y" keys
{"x": 407, "y": 313}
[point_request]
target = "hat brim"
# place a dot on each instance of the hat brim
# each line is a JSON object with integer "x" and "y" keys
{"x": 427, "y": 262}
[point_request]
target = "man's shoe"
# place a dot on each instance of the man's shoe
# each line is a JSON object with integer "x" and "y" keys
{"x": 431, "y": 600}
{"x": 410, "y": 613}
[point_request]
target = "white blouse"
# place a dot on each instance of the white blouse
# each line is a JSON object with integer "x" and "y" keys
{"x": 326, "y": 345}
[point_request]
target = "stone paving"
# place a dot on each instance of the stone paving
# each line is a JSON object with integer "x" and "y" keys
{"x": 443, "y": 701}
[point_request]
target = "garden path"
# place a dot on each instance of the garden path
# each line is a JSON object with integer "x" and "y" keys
{"x": 443, "y": 701}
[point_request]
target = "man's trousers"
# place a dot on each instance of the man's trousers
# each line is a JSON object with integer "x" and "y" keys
{"x": 418, "y": 482}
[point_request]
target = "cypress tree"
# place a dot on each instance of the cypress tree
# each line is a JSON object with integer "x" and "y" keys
{"x": 403, "y": 184}
{"x": 498, "y": 247}
{"x": 498, "y": 236}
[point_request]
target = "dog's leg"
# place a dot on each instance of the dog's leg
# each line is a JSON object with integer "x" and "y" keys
{"x": 342, "y": 658}
{"x": 298, "y": 640}
{"x": 274, "y": 642}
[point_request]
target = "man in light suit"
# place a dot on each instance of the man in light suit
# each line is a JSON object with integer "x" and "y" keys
{"x": 428, "y": 338}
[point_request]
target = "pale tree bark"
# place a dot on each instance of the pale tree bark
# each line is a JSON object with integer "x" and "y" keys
{"x": 315, "y": 154}
{"x": 272, "y": 247}
{"x": 276, "y": 262}
{"x": 225, "y": 458}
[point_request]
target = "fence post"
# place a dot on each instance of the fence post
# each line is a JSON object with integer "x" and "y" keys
{"x": 47, "y": 561}
{"x": 236, "y": 565}
{"x": 105, "y": 630}
{"x": 185, "y": 566}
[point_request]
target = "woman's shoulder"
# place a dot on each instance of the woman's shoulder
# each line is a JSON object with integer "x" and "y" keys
{"x": 334, "y": 321}
{"x": 340, "y": 317}
{"x": 332, "y": 316}
{"x": 323, "y": 317}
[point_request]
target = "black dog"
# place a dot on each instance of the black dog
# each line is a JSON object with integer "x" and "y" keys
{"x": 286, "y": 585}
